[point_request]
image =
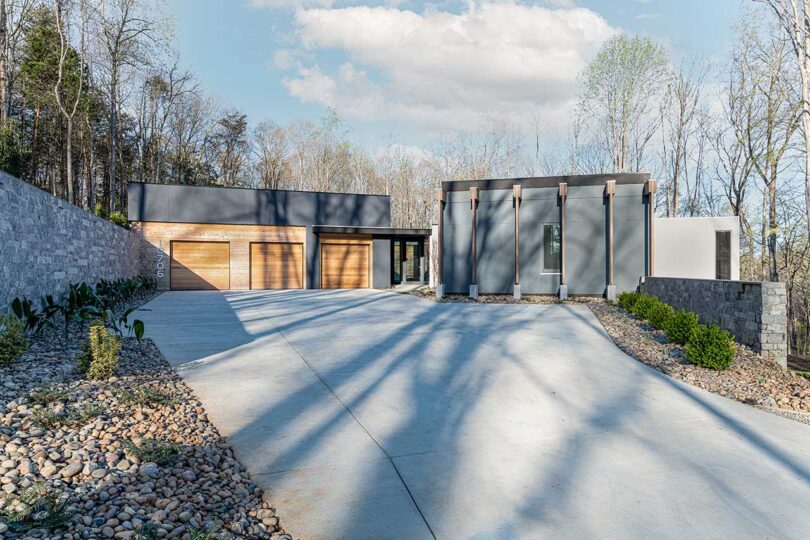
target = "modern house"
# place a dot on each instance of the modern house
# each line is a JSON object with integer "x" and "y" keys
{"x": 581, "y": 235}
{"x": 233, "y": 238}
{"x": 578, "y": 235}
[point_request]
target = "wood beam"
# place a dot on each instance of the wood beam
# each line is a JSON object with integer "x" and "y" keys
{"x": 563, "y": 197}
{"x": 517, "y": 193}
{"x": 650, "y": 189}
{"x": 440, "y": 240}
{"x": 610, "y": 191}
{"x": 474, "y": 206}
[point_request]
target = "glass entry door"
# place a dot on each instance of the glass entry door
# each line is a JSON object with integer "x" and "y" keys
{"x": 406, "y": 255}
{"x": 412, "y": 261}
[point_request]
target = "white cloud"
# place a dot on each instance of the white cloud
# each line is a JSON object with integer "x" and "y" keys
{"x": 434, "y": 67}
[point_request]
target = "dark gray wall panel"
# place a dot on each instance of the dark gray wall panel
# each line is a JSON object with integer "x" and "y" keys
{"x": 628, "y": 254}
{"x": 586, "y": 245}
{"x": 381, "y": 255}
{"x": 585, "y": 238}
{"x": 496, "y": 245}
{"x": 457, "y": 246}
{"x": 195, "y": 204}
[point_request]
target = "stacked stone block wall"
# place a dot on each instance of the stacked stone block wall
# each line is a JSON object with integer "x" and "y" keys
{"x": 47, "y": 243}
{"x": 754, "y": 312}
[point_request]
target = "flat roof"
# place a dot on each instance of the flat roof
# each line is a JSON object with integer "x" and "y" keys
{"x": 387, "y": 231}
{"x": 239, "y": 188}
{"x": 573, "y": 180}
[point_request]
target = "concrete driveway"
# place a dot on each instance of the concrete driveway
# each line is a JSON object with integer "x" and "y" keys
{"x": 373, "y": 415}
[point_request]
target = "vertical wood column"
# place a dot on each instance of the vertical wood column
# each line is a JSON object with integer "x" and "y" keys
{"x": 474, "y": 251}
{"x": 563, "y": 197}
{"x": 651, "y": 186}
{"x": 439, "y": 246}
{"x": 517, "y": 193}
{"x": 610, "y": 190}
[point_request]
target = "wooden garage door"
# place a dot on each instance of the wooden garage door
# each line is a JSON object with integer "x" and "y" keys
{"x": 200, "y": 265}
{"x": 344, "y": 266}
{"x": 276, "y": 266}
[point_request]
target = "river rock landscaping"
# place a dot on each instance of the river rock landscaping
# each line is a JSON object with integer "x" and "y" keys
{"x": 750, "y": 378}
{"x": 132, "y": 456}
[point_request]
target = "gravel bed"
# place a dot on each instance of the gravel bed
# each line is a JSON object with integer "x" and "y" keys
{"x": 131, "y": 457}
{"x": 750, "y": 379}
{"x": 430, "y": 294}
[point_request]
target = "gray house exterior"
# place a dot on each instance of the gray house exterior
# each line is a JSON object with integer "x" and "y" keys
{"x": 247, "y": 216}
{"x": 580, "y": 235}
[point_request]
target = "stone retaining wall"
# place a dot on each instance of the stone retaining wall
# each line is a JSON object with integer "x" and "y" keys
{"x": 47, "y": 243}
{"x": 754, "y": 312}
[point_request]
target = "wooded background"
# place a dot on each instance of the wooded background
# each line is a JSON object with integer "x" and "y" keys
{"x": 93, "y": 95}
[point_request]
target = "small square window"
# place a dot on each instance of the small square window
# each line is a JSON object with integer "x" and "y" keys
{"x": 722, "y": 254}
{"x": 552, "y": 249}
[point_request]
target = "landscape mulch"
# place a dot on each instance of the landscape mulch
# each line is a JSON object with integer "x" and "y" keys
{"x": 750, "y": 379}
{"x": 134, "y": 456}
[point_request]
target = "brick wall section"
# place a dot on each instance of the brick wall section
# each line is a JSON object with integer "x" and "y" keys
{"x": 754, "y": 312}
{"x": 47, "y": 243}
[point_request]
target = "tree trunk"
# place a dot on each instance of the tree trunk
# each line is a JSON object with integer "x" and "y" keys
{"x": 774, "y": 274}
{"x": 806, "y": 126}
{"x": 89, "y": 202}
{"x": 35, "y": 147}
{"x": 764, "y": 237}
{"x": 113, "y": 139}
{"x": 3, "y": 61}
{"x": 69, "y": 158}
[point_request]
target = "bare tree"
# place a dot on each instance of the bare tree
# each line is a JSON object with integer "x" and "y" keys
{"x": 271, "y": 149}
{"x": 679, "y": 109}
{"x": 127, "y": 29}
{"x": 794, "y": 20}
{"x": 771, "y": 118}
{"x": 67, "y": 54}
{"x": 621, "y": 89}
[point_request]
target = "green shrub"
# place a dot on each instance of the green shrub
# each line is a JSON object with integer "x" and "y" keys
{"x": 98, "y": 359}
{"x": 151, "y": 450}
{"x": 681, "y": 327}
{"x": 145, "y": 395}
{"x": 12, "y": 339}
{"x": 660, "y": 315}
{"x": 119, "y": 219}
{"x": 710, "y": 347}
{"x": 644, "y": 305}
{"x": 38, "y": 507}
{"x": 628, "y": 299}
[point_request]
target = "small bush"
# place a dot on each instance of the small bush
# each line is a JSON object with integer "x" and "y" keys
{"x": 49, "y": 419}
{"x": 12, "y": 339}
{"x": 710, "y": 347}
{"x": 119, "y": 219}
{"x": 154, "y": 451}
{"x": 47, "y": 395}
{"x": 681, "y": 327}
{"x": 660, "y": 315}
{"x": 628, "y": 299}
{"x": 644, "y": 305}
{"x": 145, "y": 395}
{"x": 36, "y": 508}
{"x": 98, "y": 359}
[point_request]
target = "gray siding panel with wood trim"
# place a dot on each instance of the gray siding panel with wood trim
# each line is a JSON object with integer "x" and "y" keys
{"x": 586, "y": 235}
{"x": 233, "y": 206}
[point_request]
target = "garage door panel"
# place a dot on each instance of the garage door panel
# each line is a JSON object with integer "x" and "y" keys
{"x": 276, "y": 266}
{"x": 344, "y": 266}
{"x": 200, "y": 266}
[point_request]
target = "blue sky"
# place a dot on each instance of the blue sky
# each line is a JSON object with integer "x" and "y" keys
{"x": 407, "y": 71}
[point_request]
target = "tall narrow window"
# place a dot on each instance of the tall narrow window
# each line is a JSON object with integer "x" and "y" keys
{"x": 552, "y": 249}
{"x": 722, "y": 254}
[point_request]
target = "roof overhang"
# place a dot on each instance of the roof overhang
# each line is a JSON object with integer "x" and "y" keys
{"x": 576, "y": 180}
{"x": 374, "y": 231}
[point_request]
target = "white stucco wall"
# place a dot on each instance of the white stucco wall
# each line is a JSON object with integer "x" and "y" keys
{"x": 685, "y": 247}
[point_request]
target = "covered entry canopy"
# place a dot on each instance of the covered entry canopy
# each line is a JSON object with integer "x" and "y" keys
{"x": 378, "y": 257}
